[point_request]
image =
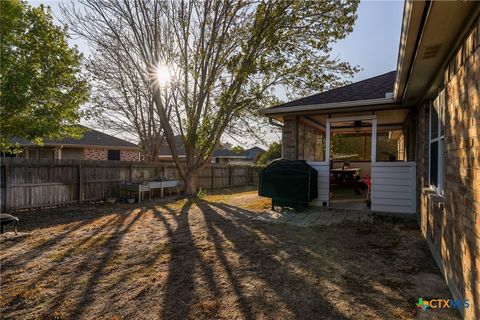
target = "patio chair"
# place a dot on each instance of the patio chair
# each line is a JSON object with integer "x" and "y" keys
{"x": 368, "y": 181}
{"x": 8, "y": 219}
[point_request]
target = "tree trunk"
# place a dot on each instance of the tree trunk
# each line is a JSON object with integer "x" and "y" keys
{"x": 190, "y": 183}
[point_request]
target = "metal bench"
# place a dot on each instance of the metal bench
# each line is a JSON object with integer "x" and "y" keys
{"x": 162, "y": 185}
{"x": 137, "y": 187}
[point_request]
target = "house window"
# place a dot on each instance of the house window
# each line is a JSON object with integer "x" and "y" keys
{"x": 114, "y": 155}
{"x": 311, "y": 143}
{"x": 436, "y": 142}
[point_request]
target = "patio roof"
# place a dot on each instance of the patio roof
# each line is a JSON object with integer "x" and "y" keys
{"x": 375, "y": 90}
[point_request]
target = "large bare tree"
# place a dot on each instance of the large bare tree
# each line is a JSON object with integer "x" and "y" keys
{"x": 224, "y": 58}
{"x": 122, "y": 100}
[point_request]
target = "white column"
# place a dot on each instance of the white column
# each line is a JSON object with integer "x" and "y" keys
{"x": 327, "y": 158}
{"x": 327, "y": 143}
{"x": 374, "y": 141}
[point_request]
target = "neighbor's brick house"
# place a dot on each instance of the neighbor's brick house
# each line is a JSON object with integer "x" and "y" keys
{"x": 94, "y": 145}
{"x": 428, "y": 110}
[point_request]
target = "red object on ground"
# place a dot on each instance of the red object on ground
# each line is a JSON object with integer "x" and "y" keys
{"x": 368, "y": 181}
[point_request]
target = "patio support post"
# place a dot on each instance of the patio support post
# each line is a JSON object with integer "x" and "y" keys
{"x": 374, "y": 141}
{"x": 327, "y": 143}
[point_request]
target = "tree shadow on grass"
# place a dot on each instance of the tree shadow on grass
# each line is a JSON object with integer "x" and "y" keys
{"x": 35, "y": 251}
{"x": 48, "y": 218}
{"x": 231, "y": 241}
{"x": 109, "y": 246}
{"x": 325, "y": 256}
{"x": 214, "y": 261}
{"x": 300, "y": 296}
{"x": 180, "y": 285}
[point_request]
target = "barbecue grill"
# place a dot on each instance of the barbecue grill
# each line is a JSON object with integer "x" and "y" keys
{"x": 290, "y": 183}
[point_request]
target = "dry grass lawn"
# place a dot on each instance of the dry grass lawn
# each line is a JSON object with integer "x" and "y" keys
{"x": 208, "y": 260}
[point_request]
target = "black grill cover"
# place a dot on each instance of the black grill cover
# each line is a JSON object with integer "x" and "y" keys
{"x": 289, "y": 180}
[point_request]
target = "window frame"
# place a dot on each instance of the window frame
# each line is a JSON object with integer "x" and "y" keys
{"x": 301, "y": 138}
{"x": 439, "y": 139}
{"x": 112, "y": 151}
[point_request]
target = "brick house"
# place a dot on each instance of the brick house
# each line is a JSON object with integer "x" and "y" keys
{"x": 415, "y": 131}
{"x": 94, "y": 145}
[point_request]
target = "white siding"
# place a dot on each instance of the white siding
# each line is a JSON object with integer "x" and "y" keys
{"x": 323, "y": 183}
{"x": 394, "y": 187}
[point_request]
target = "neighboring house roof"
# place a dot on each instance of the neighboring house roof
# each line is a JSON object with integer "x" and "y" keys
{"x": 373, "y": 88}
{"x": 225, "y": 153}
{"x": 251, "y": 153}
{"x": 217, "y": 153}
{"x": 90, "y": 138}
{"x": 165, "y": 149}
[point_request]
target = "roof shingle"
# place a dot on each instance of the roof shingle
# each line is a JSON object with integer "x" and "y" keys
{"x": 90, "y": 138}
{"x": 372, "y": 88}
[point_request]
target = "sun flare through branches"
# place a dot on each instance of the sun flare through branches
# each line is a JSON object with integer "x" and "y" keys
{"x": 162, "y": 75}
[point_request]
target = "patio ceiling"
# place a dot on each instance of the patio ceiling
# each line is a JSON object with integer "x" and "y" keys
{"x": 384, "y": 117}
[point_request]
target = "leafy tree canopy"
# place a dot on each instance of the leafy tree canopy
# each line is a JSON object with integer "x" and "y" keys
{"x": 41, "y": 85}
{"x": 274, "y": 152}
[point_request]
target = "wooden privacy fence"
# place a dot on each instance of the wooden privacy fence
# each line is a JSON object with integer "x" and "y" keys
{"x": 36, "y": 183}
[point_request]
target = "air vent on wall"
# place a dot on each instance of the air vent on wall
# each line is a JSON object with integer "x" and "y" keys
{"x": 431, "y": 51}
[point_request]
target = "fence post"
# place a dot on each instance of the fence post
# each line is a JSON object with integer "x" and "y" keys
{"x": 212, "y": 175}
{"x": 80, "y": 182}
{"x": 7, "y": 189}
{"x": 130, "y": 173}
{"x": 229, "y": 176}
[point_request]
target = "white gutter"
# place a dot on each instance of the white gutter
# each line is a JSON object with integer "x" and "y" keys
{"x": 333, "y": 105}
{"x": 407, "y": 13}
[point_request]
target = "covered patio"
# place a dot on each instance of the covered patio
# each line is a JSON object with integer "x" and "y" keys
{"x": 354, "y": 145}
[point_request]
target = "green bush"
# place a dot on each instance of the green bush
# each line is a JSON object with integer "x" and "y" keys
{"x": 274, "y": 152}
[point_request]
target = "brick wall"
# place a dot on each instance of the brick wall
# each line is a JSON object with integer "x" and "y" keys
{"x": 102, "y": 154}
{"x": 129, "y": 155}
{"x": 289, "y": 137}
{"x": 95, "y": 154}
{"x": 451, "y": 223}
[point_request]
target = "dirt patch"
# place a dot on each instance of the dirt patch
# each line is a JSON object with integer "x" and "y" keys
{"x": 209, "y": 259}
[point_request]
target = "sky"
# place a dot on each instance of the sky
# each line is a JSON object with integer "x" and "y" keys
{"x": 373, "y": 44}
